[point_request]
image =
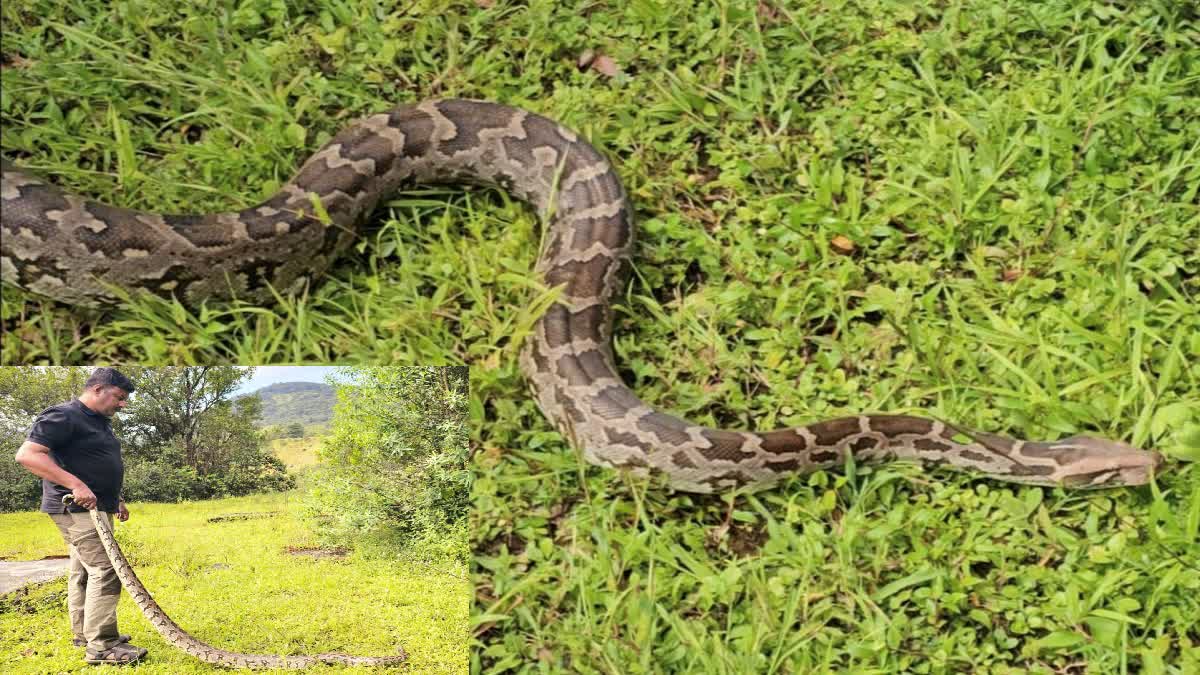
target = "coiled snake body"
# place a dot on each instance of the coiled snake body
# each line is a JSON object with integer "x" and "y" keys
{"x": 69, "y": 248}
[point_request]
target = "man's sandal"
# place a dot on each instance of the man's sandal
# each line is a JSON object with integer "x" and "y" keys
{"x": 118, "y": 655}
{"x": 81, "y": 642}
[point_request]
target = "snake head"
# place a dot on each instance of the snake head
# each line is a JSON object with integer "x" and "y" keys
{"x": 1087, "y": 462}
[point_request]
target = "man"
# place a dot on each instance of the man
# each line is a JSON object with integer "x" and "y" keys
{"x": 71, "y": 447}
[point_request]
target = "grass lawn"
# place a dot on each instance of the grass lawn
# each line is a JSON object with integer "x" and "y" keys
{"x": 236, "y": 586}
{"x": 984, "y": 210}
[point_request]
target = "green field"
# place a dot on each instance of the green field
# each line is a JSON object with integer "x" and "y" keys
{"x": 980, "y": 210}
{"x": 236, "y": 586}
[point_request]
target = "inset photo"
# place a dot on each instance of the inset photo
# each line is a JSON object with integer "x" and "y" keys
{"x": 200, "y": 517}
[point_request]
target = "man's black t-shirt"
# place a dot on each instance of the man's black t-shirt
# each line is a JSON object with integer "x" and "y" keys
{"x": 82, "y": 443}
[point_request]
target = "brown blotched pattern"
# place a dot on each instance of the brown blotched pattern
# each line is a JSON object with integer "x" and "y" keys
{"x": 73, "y": 250}
{"x": 67, "y": 247}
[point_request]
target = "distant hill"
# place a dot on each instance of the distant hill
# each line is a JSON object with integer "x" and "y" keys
{"x": 309, "y": 403}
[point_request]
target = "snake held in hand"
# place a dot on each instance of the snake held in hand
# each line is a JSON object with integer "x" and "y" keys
{"x": 180, "y": 638}
{"x": 73, "y": 250}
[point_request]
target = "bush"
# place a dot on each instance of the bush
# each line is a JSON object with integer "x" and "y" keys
{"x": 165, "y": 478}
{"x": 19, "y": 489}
{"x": 161, "y": 482}
{"x": 394, "y": 472}
{"x": 261, "y": 472}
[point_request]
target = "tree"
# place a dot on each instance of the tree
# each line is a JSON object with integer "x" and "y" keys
{"x": 183, "y": 436}
{"x": 172, "y": 402}
{"x": 25, "y": 392}
{"x": 294, "y": 430}
{"x": 189, "y": 438}
{"x": 395, "y": 460}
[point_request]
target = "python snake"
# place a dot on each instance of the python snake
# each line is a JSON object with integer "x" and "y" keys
{"x": 73, "y": 250}
{"x": 180, "y": 638}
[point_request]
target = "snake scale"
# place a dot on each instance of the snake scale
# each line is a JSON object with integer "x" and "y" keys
{"x": 74, "y": 250}
{"x": 67, "y": 247}
{"x": 180, "y": 638}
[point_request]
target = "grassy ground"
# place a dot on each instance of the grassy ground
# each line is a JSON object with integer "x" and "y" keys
{"x": 296, "y": 453}
{"x": 235, "y": 585}
{"x": 983, "y": 210}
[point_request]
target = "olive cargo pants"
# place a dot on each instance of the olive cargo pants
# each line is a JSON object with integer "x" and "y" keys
{"x": 92, "y": 584}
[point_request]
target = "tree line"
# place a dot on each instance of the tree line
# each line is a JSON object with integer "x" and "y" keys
{"x": 392, "y": 465}
{"x": 183, "y": 434}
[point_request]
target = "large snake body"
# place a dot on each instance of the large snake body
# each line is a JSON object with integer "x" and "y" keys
{"x": 73, "y": 250}
{"x": 177, "y": 636}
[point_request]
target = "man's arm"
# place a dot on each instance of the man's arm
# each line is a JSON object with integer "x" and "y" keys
{"x": 36, "y": 458}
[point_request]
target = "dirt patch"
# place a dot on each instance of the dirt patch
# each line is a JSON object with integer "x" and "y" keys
{"x": 251, "y": 515}
{"x": 23, "y": 602}
{"x": 337, "y": 552}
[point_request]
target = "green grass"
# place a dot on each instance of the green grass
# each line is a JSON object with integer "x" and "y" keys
{"x": 1018, "y": 181}
{"x": 236, "y": 586}
{"x": 28, "y": 535}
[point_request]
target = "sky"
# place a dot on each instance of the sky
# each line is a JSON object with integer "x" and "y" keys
{"x": 267, "y": 375}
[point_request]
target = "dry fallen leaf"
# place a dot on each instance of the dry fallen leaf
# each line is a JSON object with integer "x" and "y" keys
{"x": 605, "y": 66}
{"x": 767, "y": 13}
{"x": 598, "y": 62}
{"x": 842, "y": 244}
{"x": 15, "y": 61}
{"x": 490, "y": 456}
{"x": 1012, "y": 274}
